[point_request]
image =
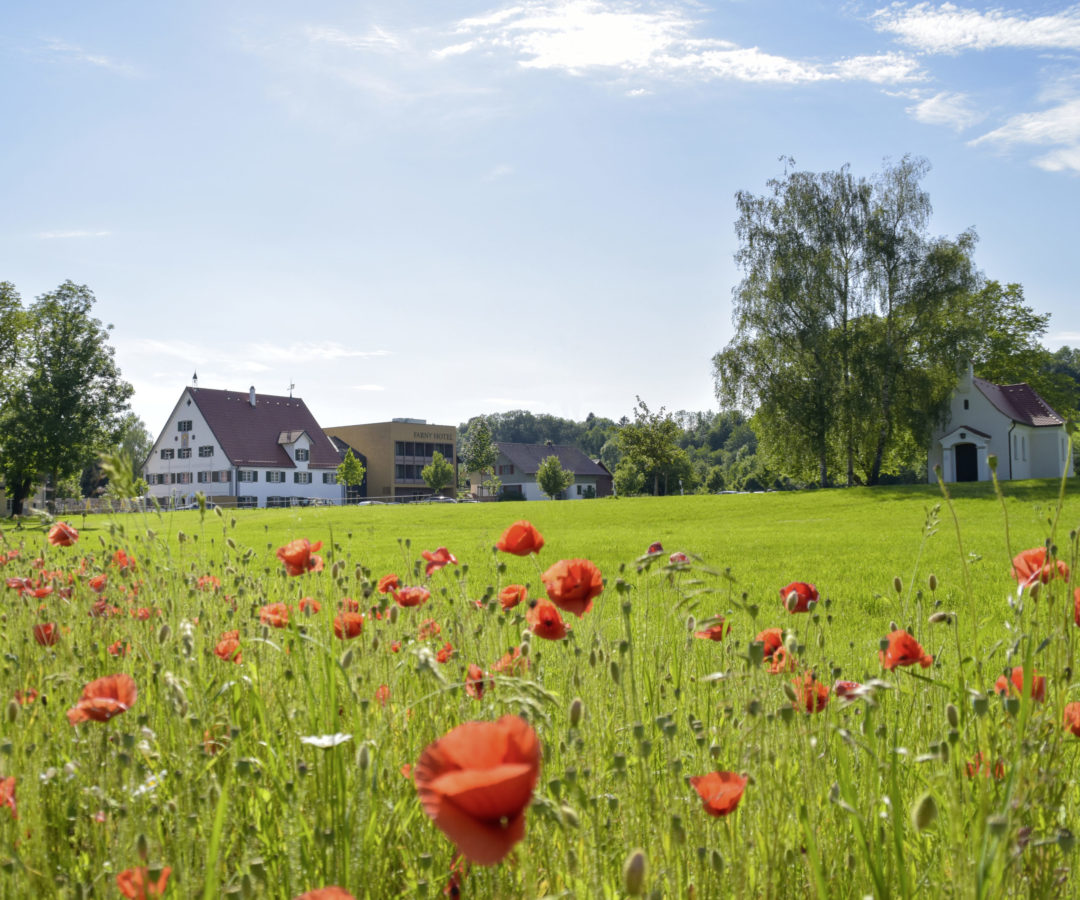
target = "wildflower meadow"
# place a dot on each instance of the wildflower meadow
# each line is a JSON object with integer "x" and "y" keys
{"x": 825, "y": 694}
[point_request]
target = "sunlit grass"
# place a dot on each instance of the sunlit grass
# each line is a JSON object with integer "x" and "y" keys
{"x": 209, "y": 773}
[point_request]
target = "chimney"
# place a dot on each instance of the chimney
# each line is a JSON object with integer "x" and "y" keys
{"x": 251, "y": 395}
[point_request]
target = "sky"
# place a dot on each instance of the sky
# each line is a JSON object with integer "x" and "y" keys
{"x": 442, "y": 209}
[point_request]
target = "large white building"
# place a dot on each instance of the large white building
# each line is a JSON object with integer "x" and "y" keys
{"x": 1009, "y": 420}
{"x": 242, "y": 449}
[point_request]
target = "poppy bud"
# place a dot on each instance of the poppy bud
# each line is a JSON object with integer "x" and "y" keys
{"x": 716, "y": 861}
{"x": 932, "y": 581}
{"x": 943, "y": 750}
{"x": 346, "y": 658}
{"x": 883, "y": 644}
{"x": 615, "y": 671}
{"x": 953, "y": 716}
{"x": 570, "y": 817}
{"x": 897, "y": 584}
{"x": 792, "y": 601}
{"x": 691, "y": 623}
{"x": 1065, "y": 840}
{"x": 141, "y": 846}
{"x": 592, "y": 658}
{"x": 945, "y": 617}
{"x": 893, "y": 626}
{"x": 923, "y": 812}
{"x": 997, "y": 825}
{"x": 789, "y": 692}
{"x": 980, "y": 704}
{"x": 634, "y": 871}
{"x": 577, "y": 709}
{"x": 791, "y": 644}
{"x": 363, "y": 757}
{"x": 393, "y": 614}
{"x": 164, "y": 633}
{"x": 1033, "y": 591}
{"x": 12, "y": 710}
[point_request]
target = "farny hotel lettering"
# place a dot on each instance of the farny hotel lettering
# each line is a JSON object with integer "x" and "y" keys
{"x": 432, "y": 435}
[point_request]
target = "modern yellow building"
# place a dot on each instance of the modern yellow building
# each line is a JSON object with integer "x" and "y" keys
{"x": 397, "y": 452}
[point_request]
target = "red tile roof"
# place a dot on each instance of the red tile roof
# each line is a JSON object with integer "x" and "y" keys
{"x": 250, "y": 435}
{"x": 1019, "y": 402}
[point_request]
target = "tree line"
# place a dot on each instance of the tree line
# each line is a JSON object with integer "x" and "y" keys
{"x": 852, "y": 323}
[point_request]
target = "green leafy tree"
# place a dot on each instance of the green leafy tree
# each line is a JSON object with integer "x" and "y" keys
{"x": 628, "y": 479}
{"x": 481, "y": 453}
{"x": 650, "y": 442}
{"x": 64, "y": 400}
{"x": 552, "y": 478}
{"x": 438, "y": 474}
{"x": 135, "y": 442}
{"x": 350, "y": 473}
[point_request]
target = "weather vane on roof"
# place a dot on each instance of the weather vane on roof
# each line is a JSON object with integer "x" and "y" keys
{"x": 195, "y": 380}
{"x": 291, "y": 386}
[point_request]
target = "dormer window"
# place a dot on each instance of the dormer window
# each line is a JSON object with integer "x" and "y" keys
{"x": 965, "y": 404}
{"x": 301, "y": 454}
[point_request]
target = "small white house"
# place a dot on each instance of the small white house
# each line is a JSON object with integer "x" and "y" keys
{"x": 517, "y": 464}
{"x": 242, "y": 449}
{"x": 1009, "y": 420}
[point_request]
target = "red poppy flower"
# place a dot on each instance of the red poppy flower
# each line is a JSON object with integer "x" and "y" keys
{"x": 1072, "y": 718}
{"x": 411, "y": 596}
{"x": 141, "y": 613}
{"x": 903, "y": 650}
{"x": 46, "y": 634}
{"x": 26, "y": 697}
{"x": 438, "y": 559}
{"x": 446, "y": 653}
{"x": 309, "y": 606}
{"x": 1014, "y": 684}
{"x": 388, "y": 583}
{"x": 772, "y": 639}
{"x": 520, "y": 539}
{"x": 804, "y": 595}
{"x": 104, "y": 698}
{"x": 476, "y": 782}
{"x": 1031, "y": 566}
{"x": 276, "y": 615}
{"x": 781, "y": 661}
{"x": 545, "y": 621}
{"x": 845, "y": 690}
{"x": 678, "y": 558}
{"x": 348, "y": 604}
{"x": 719, "y": 791}
{"x": 810, "y": 694}
{"x": 7, "y": 795}
{"x": 513, "y": 594}
{"x": 715, "y": 632}
{"x": 119, "y": 648}
{"x": 475, "y": 682}
{"x": 571, "y": 585}
{"x": 348, "y": 625}
{"x": 333, "y": 892}
{"x": 395, "y": 646}
{"x": 135, "y": 884}
{"x": 512, "y": 663}
{"x": 102, "y": 609}
{"x": 981, "y": 764}
{"x": 228, "y": 647}
{"x": 429, "y": 628}
{"x": 122, "y": 560}
{"x": 299, "y": 557}
{"x": 98, "y": 582}
{"x": 208, "y": 583}
{"x": 62, "y": 535}
{"x": 382, "y": 694}
{"x": 656, "y": 547}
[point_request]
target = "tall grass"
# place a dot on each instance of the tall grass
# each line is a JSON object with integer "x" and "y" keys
{"x": 210, "y": 773}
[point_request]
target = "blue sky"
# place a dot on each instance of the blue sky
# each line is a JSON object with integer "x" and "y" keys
{"x": 441, "y": 209}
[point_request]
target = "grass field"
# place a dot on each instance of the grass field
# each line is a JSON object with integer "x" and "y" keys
{"x": 208, "y": 772}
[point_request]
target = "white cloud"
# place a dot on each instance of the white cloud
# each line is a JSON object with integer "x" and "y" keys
{"x": 1059, "y": 125}
{"x": 63, "y": 235}
{"x": 368, "y": 387}
{"x": 949, "y": 28}
{"x": 576, "y": 36}
{"x": 375, "y": 38}
{"x": 500, "y": 171}
{"x": 306, "y": 352}
{"x": 78, "y": 54}
{"x": 946, "y": 108}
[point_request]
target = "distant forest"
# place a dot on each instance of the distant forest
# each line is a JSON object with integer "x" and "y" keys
{"x": 719, "y": 450}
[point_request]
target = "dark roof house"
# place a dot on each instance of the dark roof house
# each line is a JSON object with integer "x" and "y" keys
{"x": 517, "y": 465}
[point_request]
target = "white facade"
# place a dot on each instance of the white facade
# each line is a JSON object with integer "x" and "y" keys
{"x": 976, "y": 429}
{"x": 188, "y": 459}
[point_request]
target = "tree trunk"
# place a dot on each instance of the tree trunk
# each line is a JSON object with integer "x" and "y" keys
{"x": 824, "y": 469}
{"x": 19, "y": 492}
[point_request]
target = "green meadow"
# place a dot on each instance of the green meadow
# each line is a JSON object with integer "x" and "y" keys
{"x": 282, "y": 771}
